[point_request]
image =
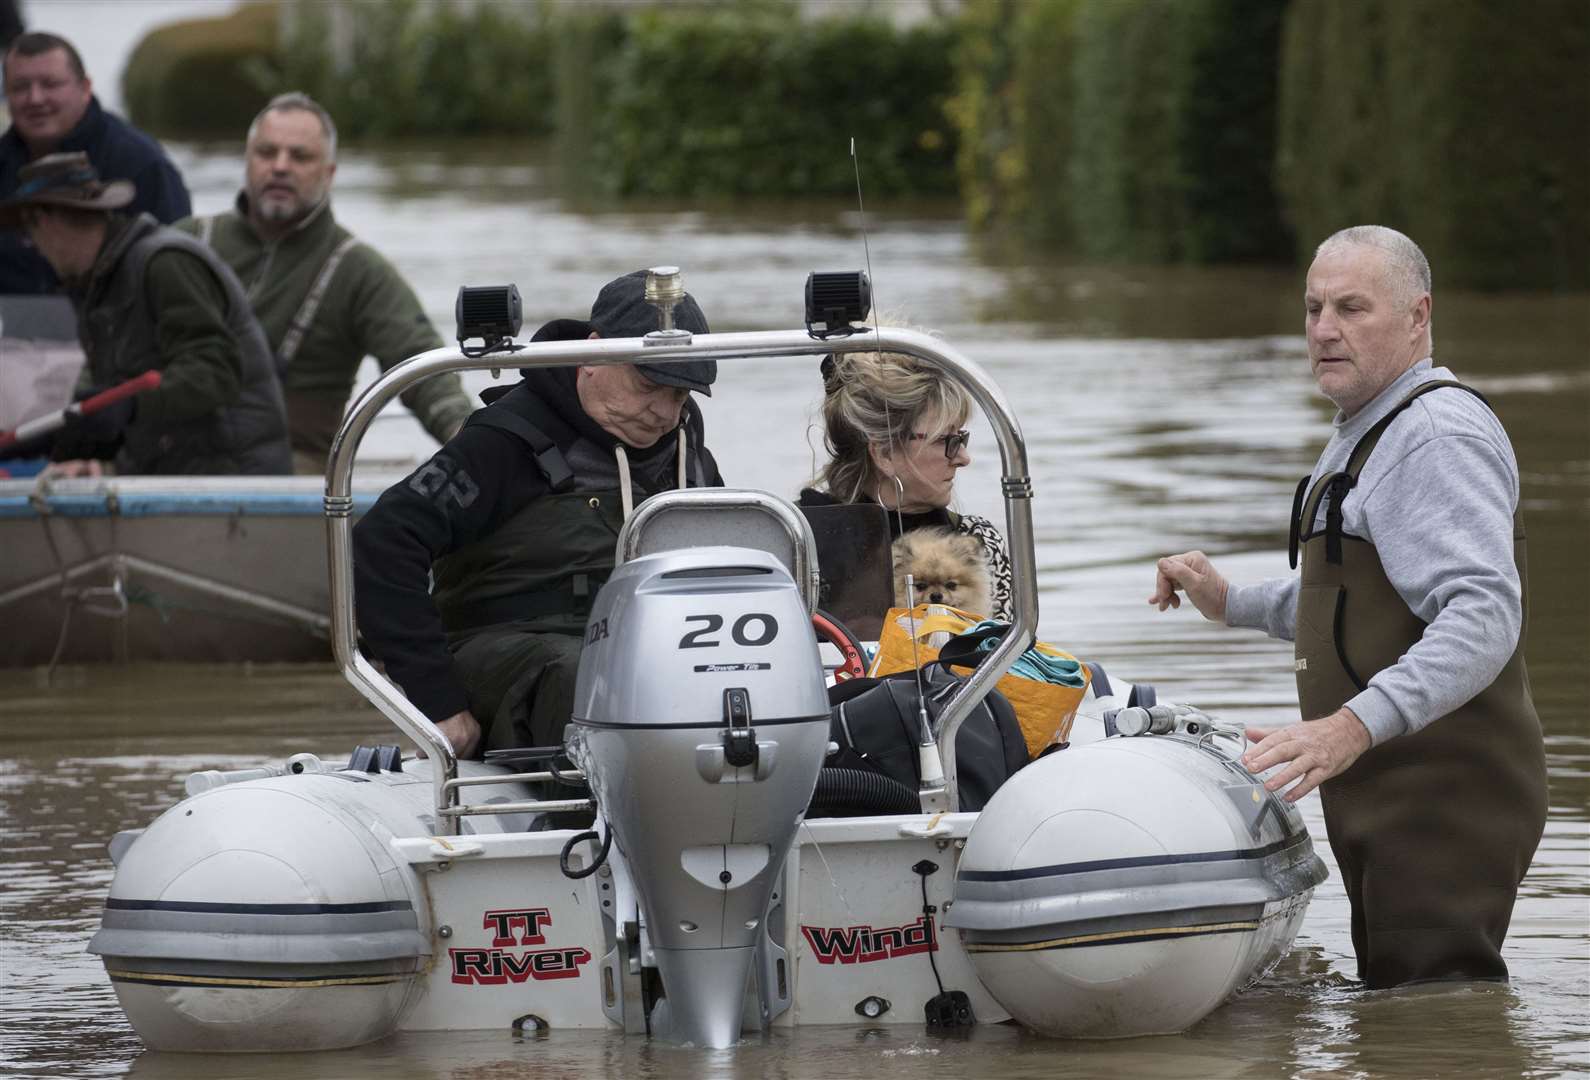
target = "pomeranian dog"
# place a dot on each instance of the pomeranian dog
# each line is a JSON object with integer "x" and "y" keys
{"x": 947, "y": 567}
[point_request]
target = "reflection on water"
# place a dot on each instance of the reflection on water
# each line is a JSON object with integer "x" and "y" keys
{"x": 1163, "y": 409}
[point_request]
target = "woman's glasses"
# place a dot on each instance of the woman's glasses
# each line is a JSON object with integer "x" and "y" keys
{"x": 952, "y": 442}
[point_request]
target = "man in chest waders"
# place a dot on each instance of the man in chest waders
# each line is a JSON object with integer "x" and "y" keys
{"x": 1408, "y": 619}
{"x": 473, "y": 576}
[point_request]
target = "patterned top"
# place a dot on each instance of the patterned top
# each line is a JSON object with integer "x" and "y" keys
{"x": 998, "y": 555}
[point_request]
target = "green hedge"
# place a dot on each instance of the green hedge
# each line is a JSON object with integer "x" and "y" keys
{"x": 204, "y": 77}
{"x": 1013, "y": 111}
{"x": 671, "y": 99}
{"x": 1157, "y": 130}
{"x": 749, "y": 99}
{"x": 1460, "y": 122}
{"x": 1125, "y": 178}
{"x": 1123, "y": 128}
{"x": 1226, "y": 135}
{"x": 584, "y": 45}
{"x": 425, "y": 69}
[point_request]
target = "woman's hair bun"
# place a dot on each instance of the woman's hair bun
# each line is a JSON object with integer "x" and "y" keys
{"x": 831, "y": 379}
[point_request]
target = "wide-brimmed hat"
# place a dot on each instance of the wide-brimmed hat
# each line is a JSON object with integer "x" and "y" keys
{"x": 621, "y": 311}
{"x": 63, "y": 180}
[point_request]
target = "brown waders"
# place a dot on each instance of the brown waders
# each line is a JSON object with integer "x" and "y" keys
{"x": 1434, "y": 830}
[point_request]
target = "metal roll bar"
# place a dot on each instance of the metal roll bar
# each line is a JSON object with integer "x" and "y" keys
{"x": 1015, "y": 487}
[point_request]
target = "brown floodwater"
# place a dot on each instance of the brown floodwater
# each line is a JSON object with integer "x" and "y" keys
{"x": 1163, "y": 409}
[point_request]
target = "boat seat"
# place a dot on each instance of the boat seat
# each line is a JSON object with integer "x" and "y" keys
{"x": 709, "y": 517}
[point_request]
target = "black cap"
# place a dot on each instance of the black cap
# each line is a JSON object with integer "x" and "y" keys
{"x": 621, "y": 311}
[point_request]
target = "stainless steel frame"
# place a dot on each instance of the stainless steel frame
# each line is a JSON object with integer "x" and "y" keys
{"x": 1015, "y": 485}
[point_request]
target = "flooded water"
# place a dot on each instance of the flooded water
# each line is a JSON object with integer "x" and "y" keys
{"x": 1163, "y": 409}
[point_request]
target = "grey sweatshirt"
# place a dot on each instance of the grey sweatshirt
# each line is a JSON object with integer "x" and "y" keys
{"x": 1436, "y": 498}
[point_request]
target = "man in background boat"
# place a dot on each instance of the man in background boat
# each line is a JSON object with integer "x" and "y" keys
{"x": 516, "y": 518}
{"x": 325, "y": 299}
{"x": 1408, "y": 618}
{"x": 54, "y": 110}
{"x": 149, "y": 298}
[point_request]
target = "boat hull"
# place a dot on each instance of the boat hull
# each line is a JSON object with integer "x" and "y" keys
{"x": 381, "y": 926}
{"x": 182, "y": 569}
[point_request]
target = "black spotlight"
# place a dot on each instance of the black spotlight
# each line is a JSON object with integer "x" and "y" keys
{"x": 489, "y": 312}
{"x": 836, "y": 301}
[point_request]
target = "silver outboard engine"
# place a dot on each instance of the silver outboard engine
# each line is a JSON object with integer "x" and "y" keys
{"x": 701, "y": 721}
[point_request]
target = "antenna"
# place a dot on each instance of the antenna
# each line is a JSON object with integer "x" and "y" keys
{"x": 866, "y": 247}
{"x": 933, "y": 793}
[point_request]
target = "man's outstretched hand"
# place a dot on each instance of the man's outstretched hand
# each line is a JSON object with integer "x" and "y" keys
{"x": 1309, "y": 752}
{"x": 1192, "y": 573}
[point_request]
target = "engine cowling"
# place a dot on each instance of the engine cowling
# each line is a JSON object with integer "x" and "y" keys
{"x": 701, "y": 721}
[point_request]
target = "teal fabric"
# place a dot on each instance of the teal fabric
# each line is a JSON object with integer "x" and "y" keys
{"x": 1032, "y": 664}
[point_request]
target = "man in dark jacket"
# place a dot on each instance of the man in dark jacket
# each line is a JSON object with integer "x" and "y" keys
{"x": 53, "y": 110}
{"x": 149, "y": 298}
{"x": 515, "y": 519}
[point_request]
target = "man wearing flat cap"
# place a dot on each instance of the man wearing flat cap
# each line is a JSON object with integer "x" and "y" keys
{"x": 474, "y": 575}
{"x": 149, "y": 298}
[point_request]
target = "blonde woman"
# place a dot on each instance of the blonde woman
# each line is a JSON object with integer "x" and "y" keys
{"x": 895, "y": 435}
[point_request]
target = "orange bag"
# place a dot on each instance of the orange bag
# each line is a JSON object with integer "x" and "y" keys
{"x": 1045, "y": 710}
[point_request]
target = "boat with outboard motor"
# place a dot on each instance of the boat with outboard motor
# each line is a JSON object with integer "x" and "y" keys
{"x": 1126, "y": 884}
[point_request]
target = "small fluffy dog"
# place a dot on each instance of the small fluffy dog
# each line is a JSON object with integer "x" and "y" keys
{"x": 947, "y": 567}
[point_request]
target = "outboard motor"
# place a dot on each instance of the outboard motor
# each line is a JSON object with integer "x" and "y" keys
{"x": 701, "y": 721}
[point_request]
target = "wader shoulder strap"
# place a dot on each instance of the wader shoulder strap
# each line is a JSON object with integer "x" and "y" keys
{"x": 311, "y": 305}
{"x": 1296, "y": 531}
{"x": 1366, "y": 445}
{"x": 1334, "y": 487}
{"x": 692, "y": 448}
{"x": 549, "y": 459}
{"x": 207, "y": 228}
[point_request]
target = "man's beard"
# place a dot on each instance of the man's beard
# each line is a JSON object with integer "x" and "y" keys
{"x": 278, "y": 211}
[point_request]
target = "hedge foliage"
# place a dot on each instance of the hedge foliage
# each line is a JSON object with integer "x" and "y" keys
{"x": 675, "y": 99}
{"x": 1460, "y": 123}
{"x": 1012, "y": 108}
{"x": 750, "y": 99}
{"x": 1155, "y": 130}
{"x": 424, "y": 69}
{"x": 1124, "y": 128}
{"x": 204, "y": 76}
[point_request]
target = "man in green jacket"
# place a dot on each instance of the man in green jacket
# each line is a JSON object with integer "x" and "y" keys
{"x": 325, "y": 299}
{"x": 149, "y": 298}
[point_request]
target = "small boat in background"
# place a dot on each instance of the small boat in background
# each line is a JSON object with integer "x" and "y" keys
{"x": 196, "y": 569}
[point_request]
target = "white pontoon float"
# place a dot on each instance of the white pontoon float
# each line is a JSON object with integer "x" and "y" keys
{"x": 1125, "y": 885}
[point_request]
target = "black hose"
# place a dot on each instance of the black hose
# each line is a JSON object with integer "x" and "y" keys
{"x": 566, "y": 781}
{"x": 601, "y": 852}
{"x": 846, "y": 792}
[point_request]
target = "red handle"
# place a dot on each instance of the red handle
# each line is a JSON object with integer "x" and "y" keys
{"x": 147, "y": 381}
{"x": 43, "y": 425}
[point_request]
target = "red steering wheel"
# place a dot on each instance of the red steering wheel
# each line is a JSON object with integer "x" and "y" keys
{"x": 853, "y": 659}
